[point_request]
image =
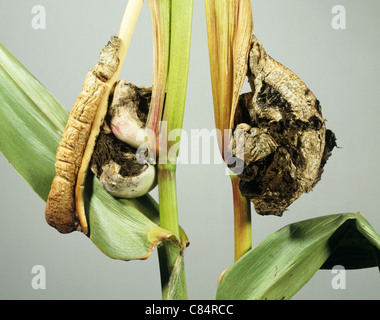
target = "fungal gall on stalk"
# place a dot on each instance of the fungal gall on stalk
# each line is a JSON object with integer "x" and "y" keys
{"x": 114, "y": 160}
{"x": 286, "y": 143}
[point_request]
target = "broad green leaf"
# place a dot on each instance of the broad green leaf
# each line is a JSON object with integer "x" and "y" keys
{"x": 286, "y": 260}
{"x": 31, "y": 126}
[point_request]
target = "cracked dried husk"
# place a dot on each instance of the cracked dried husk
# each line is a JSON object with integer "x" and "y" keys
{"x": 61, "y": 208}
{"x": 286, "y": 143}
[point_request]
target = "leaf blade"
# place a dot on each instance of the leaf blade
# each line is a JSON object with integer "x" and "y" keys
{"x": 283, "y": 263}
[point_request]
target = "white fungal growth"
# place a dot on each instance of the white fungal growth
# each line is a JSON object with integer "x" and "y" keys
{"x": 114, "y": 160}
{"x": 125, "y": 122}
{"x": 127, "y": 186}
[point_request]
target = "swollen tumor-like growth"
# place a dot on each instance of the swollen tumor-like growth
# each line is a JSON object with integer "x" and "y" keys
{"x": 286, "y": 143}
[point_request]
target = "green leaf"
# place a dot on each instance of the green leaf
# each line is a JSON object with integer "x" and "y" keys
{"x": 31, "y": 126}
{"x": 286, "y": 260}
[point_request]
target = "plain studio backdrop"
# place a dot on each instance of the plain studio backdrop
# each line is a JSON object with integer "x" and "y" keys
{"x": 340, "y": 66}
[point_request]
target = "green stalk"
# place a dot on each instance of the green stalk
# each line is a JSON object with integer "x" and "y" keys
{"x": 173, "y": 281}
{"x": 171, "y": 255}
{"x": 242, "y": 220}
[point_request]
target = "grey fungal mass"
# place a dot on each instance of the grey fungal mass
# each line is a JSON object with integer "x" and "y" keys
{"x": 280, "y": 136}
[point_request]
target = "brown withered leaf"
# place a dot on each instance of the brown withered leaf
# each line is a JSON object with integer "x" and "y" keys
{"x": 60, "y": 209}
{"x": 286, "y": 143}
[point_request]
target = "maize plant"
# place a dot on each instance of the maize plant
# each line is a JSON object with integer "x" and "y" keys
{"x": 96, "y": 166}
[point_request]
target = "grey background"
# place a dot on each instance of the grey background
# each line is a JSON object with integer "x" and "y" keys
{"x": 340, "y": 66}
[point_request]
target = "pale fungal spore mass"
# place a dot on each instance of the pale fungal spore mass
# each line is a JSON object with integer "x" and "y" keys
{"x": 114, "y": 159}
{"x": 128, "y": 112}
{"x": 286, "y": 143}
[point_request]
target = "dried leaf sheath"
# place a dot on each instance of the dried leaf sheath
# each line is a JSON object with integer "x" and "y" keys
{"x": 229, "y": 30}
{"x": 60, "y": 209}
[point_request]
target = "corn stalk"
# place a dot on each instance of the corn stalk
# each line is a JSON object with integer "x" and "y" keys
{"x": 172, "y": 22}
{"x": 229, "y": 30}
